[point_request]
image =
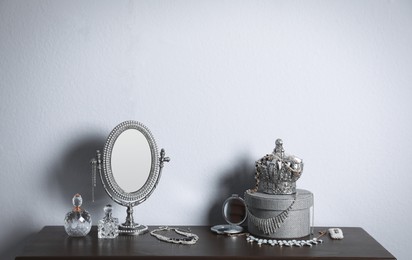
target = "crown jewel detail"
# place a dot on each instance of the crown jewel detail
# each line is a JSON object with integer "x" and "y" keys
{"x": 277, "y": 172}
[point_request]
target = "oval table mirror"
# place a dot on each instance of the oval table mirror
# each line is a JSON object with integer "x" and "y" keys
{"x": 234, "y": 212}
{"x": 130, "y": 169}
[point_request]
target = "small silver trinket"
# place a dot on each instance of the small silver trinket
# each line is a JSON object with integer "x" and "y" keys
{"x": 336, "y": 233}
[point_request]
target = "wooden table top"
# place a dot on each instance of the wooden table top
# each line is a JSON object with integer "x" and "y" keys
{"x": 53, "y": 242}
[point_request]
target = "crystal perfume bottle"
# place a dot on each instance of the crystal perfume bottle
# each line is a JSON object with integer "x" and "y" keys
{"x": 108, "y": 227}
{"x": 77, "y": 222}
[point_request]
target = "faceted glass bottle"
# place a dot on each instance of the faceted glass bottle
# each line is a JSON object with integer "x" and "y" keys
{"x": 108, "y": 227}
{"x": 77, "y": 222}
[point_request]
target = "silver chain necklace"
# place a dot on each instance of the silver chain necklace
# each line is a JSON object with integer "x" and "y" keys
{"x": 187, "y": 239}
{"x": 271, "y": 225}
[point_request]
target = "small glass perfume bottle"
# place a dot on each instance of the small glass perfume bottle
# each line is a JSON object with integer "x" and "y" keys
{"x": 108, "y": 227}
{"x": 77, "y": 222}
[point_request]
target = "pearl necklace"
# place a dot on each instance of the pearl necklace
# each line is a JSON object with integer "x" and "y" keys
{"x": 189, "y": 238}
{"x": 290, "y": 243}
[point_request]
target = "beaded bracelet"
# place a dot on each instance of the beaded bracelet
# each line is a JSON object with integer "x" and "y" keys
{"x": 290, "y": 243}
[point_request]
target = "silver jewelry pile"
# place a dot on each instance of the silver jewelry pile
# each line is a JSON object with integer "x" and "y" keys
{"x": 289, "y": 243}
{"x": 188, "y": 239}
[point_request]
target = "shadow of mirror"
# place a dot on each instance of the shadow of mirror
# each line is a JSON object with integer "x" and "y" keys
{"x": 235, "y": 180}
{"x": 71, "y": 174}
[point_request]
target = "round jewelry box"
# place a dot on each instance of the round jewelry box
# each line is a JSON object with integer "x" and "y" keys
{"x": 279, "y": 216}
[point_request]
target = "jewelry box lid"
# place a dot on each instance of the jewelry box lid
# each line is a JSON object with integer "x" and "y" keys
{"x": 259, "y": 200}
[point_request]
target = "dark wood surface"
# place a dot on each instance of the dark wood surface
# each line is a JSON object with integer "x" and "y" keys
{"x": 52, "y": 242}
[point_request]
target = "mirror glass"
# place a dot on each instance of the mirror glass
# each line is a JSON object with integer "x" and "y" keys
{"x": 131, "y": 160}
{"x": 234, "y": 211}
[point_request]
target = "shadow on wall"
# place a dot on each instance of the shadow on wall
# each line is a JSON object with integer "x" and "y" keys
{"x": 69, "y": 174}
{"x": 15, "y": 241}
{"x": 235, "y": 180}
{"x": 72, "y": 174}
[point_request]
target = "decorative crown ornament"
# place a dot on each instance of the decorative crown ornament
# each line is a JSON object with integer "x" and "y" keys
{"x": 277, "y": 173}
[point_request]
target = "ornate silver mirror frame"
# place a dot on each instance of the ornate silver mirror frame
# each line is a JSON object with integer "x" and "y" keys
{"x": 120, "y": 195}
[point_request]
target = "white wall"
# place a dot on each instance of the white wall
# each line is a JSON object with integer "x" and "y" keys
{"x": 217, "y": 82}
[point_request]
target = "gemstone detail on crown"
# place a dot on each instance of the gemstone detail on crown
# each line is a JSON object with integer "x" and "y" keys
{"x": 277, "y": 172}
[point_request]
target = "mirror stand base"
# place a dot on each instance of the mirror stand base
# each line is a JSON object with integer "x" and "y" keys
{"x": 132, "y": 230}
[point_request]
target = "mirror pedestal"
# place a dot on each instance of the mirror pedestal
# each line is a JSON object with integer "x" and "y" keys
{"x": 130, "y": 227}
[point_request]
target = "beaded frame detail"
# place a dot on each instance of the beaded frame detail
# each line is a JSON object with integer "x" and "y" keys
{"x": 110, "y": 185}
